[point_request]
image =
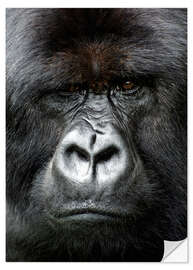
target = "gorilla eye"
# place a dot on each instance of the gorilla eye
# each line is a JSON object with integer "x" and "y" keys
{"x": 73, "y": 88}
{"x": 128, "y": 85}
{"x": 78, "y": 88}
{"x": 128, "y": 88}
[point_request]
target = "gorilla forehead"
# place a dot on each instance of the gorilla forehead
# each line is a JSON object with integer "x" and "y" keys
{"x": 94, "y": 44}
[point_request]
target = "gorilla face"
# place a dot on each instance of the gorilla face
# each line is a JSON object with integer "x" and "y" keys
{"x": 96, "y": 133}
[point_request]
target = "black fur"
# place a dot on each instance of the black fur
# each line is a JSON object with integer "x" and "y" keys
{"x": 49, "y": 48}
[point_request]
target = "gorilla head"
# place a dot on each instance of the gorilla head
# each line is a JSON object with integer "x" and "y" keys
{"x": 96, "y": 133}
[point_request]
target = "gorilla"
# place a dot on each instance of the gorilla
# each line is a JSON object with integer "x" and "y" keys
{"x": 96, "y": 133}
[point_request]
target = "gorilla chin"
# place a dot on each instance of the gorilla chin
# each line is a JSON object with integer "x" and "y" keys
{"x": 96, "y": 238}
{"x": 96, "y": 133}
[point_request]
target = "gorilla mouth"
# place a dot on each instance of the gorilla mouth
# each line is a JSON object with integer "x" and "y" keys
{"x": 91, "y": 217}
{"x": 92, "y": 214}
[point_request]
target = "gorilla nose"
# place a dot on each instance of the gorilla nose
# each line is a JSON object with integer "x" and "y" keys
{"x": 87, "y": 155}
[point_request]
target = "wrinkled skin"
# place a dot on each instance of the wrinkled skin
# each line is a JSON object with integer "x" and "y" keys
{"x": 96, "y": 133}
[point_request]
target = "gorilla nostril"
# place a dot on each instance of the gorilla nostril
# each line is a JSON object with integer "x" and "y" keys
{"x": 81, "y": 153}
{"x": 107, "y": 154}
{"x": 93, "y": 140}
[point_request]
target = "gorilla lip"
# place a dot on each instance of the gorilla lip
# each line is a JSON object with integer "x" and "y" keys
{"x": 87, "y": 217}
{"x": 86, "y": 213}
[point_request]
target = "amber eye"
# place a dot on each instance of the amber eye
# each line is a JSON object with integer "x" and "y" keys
{"x": 128, "y": 85}
{"x": 69, "y": 90}
{"x": 73, "y": 88}
{"x": 128, "y": 88}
